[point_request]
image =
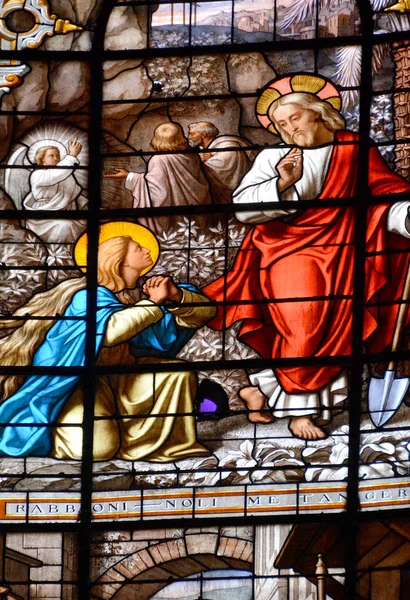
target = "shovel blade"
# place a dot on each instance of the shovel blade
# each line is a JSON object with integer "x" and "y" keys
{"x": 385, "y": 397}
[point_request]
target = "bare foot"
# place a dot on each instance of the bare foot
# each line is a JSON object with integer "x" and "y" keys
{"x": 306, "y": 429}
{"x": 255, "y": 403}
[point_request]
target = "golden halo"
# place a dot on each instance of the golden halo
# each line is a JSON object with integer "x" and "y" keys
{"x": 320, "y": 86}
{"x": 138, "y": 233}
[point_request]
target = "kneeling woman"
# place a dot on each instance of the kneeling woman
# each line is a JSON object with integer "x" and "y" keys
{"x": 144, "y": 415}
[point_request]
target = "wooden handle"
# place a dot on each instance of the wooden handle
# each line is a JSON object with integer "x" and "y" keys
{"x": 401, "y": 319}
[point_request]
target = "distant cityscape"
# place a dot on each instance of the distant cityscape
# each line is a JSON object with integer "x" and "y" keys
{"x": 341, "y": 19}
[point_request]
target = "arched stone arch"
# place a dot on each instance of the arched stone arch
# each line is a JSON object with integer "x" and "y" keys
{"x": 145, "y": 572}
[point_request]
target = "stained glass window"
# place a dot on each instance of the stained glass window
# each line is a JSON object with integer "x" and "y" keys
{"x": 205, "y": 280}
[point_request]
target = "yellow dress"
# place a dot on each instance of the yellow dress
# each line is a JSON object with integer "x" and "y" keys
{"x": 138, "y": 416}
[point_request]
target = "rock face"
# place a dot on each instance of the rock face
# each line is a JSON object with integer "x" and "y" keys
{"x": 247, "y": 74}
{"x": 69, "y": 86}
{"x": 80, "y": 12}
{"x": 127, "y": 28}
{"x": 131, "y": 82}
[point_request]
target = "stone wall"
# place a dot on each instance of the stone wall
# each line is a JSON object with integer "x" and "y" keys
{"x": 167, "y": 555}
{"x": 47, "y": 548}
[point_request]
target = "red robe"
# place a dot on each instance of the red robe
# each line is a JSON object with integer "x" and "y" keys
{"x": 313, "y": 255}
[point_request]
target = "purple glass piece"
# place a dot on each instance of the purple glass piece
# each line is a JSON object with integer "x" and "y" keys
{"x": 208, "y": 406}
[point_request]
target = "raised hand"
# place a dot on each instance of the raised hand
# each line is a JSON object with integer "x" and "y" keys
{"x": 290, "y": 169}
{"x": 159, "y": 289}
{"x": 116, "y": 173}
{"x": 74, "y": 147}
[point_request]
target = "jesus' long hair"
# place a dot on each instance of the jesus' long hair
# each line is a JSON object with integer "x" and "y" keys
{"x": 27, "y": 334}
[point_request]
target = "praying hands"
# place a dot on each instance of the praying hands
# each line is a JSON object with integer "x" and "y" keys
{"x": 160, "y": 289}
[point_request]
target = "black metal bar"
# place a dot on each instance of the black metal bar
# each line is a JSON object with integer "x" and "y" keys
{"x": 352, "y": 517}
{"x": 90, "y": 382}
{"x": 355, "y": 393}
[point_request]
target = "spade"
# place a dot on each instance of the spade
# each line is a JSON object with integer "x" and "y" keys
{"x": 385, "y": 395}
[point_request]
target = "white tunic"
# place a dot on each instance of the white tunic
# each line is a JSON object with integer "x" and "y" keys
{"x": 260, "y": 185}
{"x": 56, "y": 189}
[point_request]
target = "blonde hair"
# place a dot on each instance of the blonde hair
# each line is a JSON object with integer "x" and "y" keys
{"x": 25, "y": 335}
{"x": 330, "y": 117}
{"x": 18, "y": 348}
{"x": 111, "y": 254}
{"x": 169, "y": 136}
{"x": 41, "y": 152}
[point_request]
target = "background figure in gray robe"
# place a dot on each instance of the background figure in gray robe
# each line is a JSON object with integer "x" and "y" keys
{"x": 173, "y": 179}
{"x": 225, "y": 168}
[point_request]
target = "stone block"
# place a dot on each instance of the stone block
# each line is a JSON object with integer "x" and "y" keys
{"x": 245, "y": 533}
{"x": 101, "y": 564}
{"x": 46, "y": 574}
{"x": 239, "y": 548}
{"x": 112, "y": 536}
{"x": 195, "y": 530}
{"x": 160, "y": 553}
{"x": 135, "y": 564}
{"x": 50, "y": 591}
{"x": 227, "y": 546}
{"x": 176, "y": 548}
{"x": 126, "y": 569}
{"x": 247, "y": 553}
{"x": 149, "y": 535}
{"x": 127, "y": 548}
{"x": 112, "y": 576}
{"x": 44, "y": 540}
{"x": 104, "y": 591}
{"x": 204, "y": 543}
{"x": 50, "y": 556}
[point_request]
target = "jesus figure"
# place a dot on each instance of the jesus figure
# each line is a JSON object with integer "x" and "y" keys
{"x": 291, "y": 284}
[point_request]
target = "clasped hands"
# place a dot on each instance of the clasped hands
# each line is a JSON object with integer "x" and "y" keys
{"x": 290, "y": 169}
{"x": 161, "y": 289}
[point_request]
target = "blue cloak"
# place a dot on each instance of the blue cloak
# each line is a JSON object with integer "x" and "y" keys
{"x": 38, "y": 402}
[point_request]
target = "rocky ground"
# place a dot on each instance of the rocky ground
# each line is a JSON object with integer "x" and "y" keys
{"x": 241, "y": 453}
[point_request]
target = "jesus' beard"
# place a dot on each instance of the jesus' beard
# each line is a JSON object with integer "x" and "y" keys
{"x": 302, "y": 138}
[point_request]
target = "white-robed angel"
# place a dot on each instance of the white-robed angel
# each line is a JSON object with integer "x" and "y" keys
{"x": 52, "y": 186}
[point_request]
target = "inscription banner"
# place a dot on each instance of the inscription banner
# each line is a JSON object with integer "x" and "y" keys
{"x": 203, "y": 502}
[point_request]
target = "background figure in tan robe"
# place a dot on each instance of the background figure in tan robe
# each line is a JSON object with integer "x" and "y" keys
{"x": 225, "y": 168}
{"x": 175, "y": 179}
